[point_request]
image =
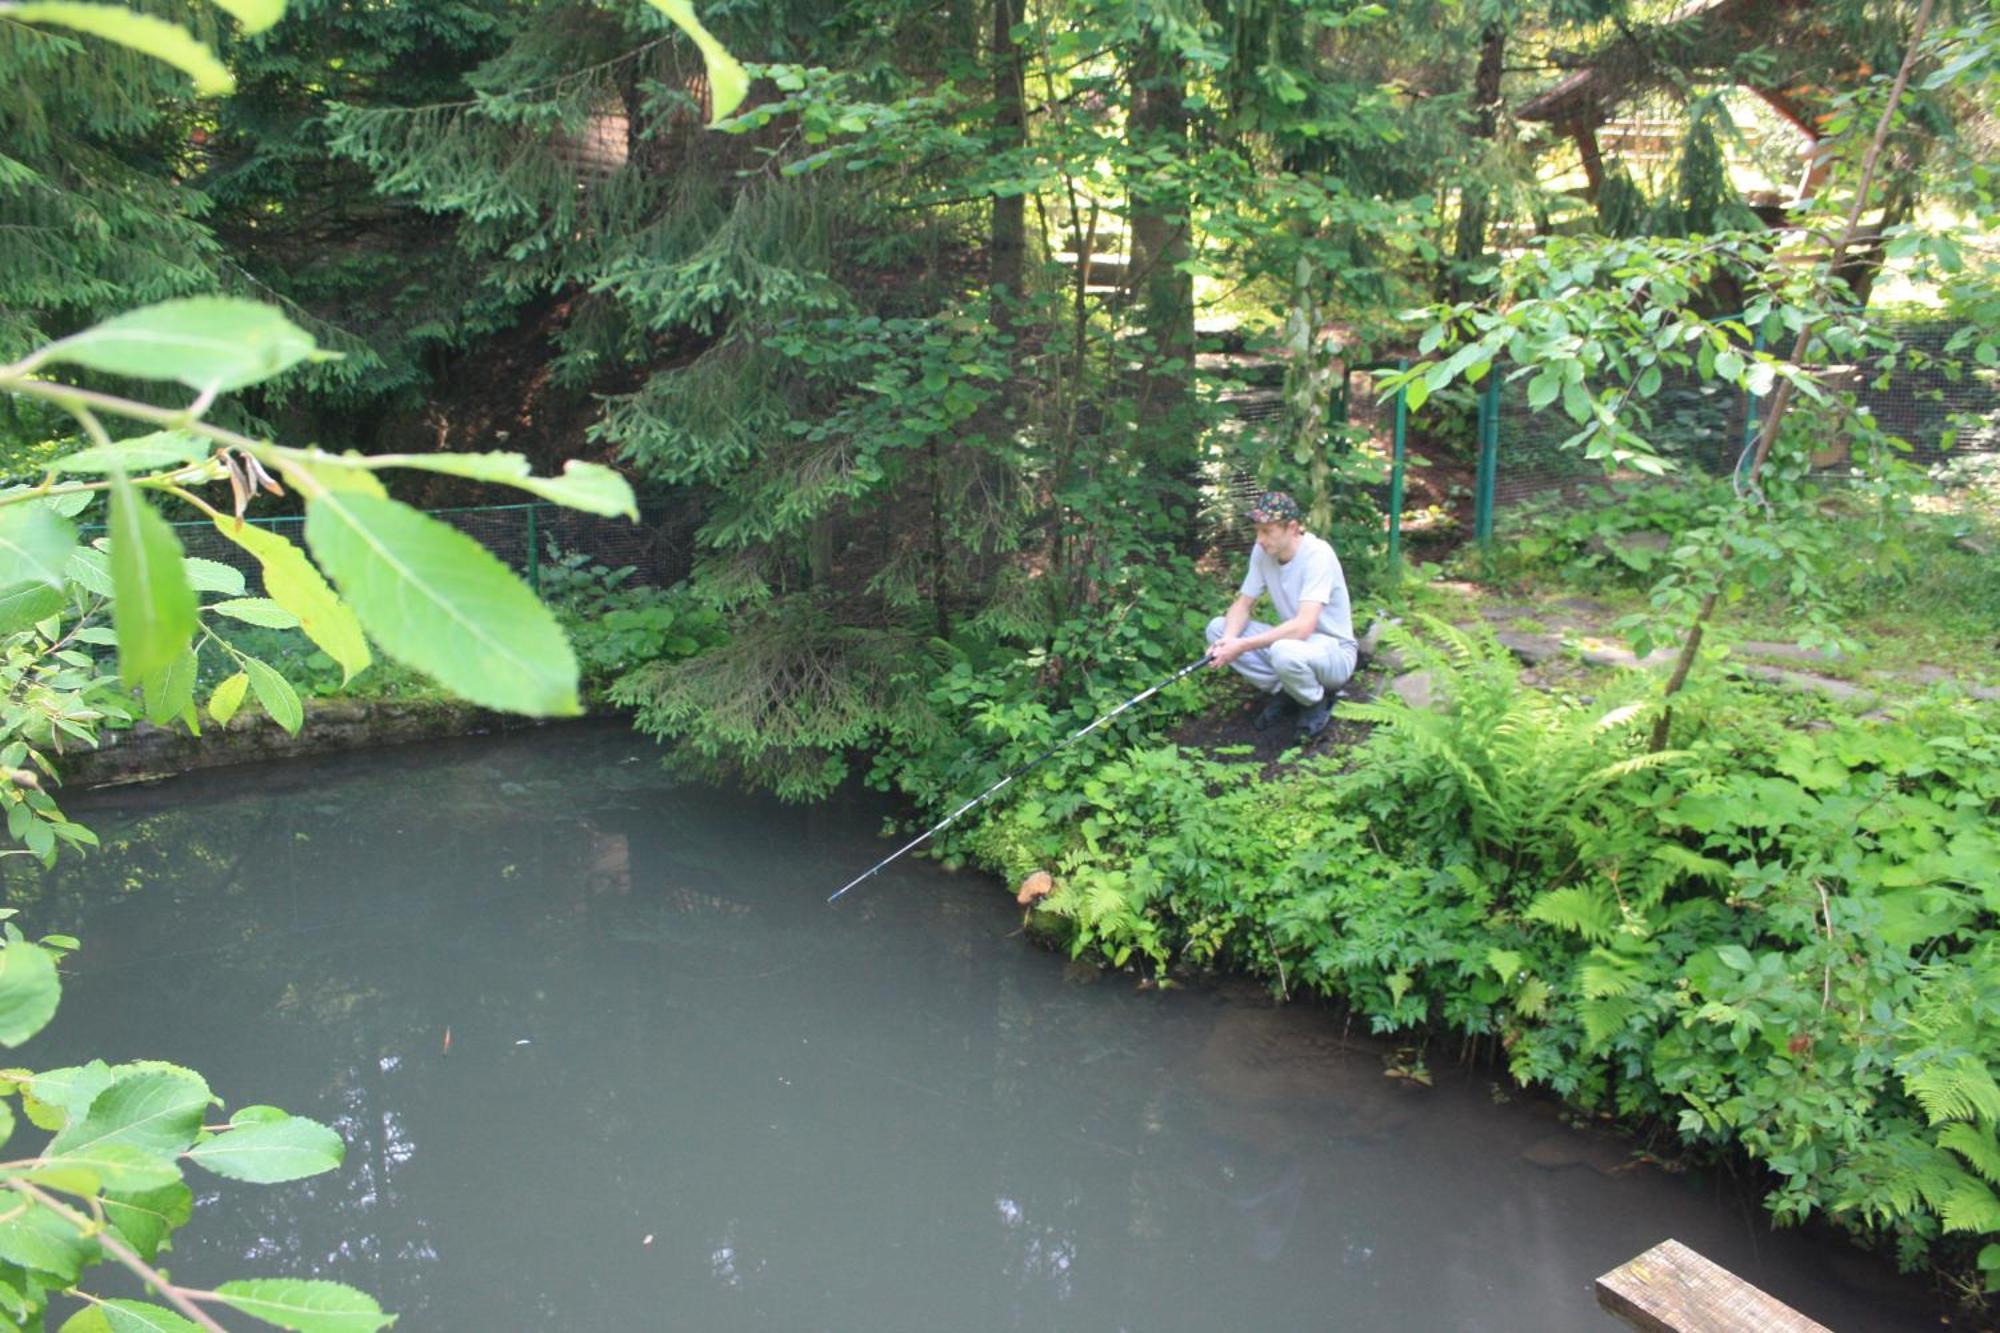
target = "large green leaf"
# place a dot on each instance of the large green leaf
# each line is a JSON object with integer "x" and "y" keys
{"x": 306, "y": 1306}
{"x": 170, "y": 690}
{"x": 209, "y": 343}
{"x": 727, "y": 81}
{"x": 6, "y": 1122}
{"x": 254, "y": 15}
{"x": 438, "y": 601}
{"x": 110, "y": 1166}
{"x": 152, "y": 606}
{"x": 142, "y": 32}
{"x": 154, "y": 1107}
{"x": 90, "y": 569}
{"x": 212, "y": 576}
{"x": 256, "y": 611}
{"x": 35, "y": 544}
{"x": 55, "y": 1097}
{"x": 265, "y": 1151}
{"x": 294, "y": 584}
{"x": 128, "y": 1317}
{"x": 146, "y": 1219}
{"x": 591, "y": 487}
{"x": 141, "y": 453}
{"x": 29, "y": 990}
{"x": 22, "y": 604}
{"x": 228, "y": 697}
{"x": 280, "y": 700}
{"x": 38, "y": 1239}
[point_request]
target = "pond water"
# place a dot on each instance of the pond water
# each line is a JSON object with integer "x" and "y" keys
{"x": 681, "y": 1092}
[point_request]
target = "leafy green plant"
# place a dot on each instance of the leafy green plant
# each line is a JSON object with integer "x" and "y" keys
{"x": 616, "y": 625}
{"x": 1616, "y": 535}
{"x": 1774, "y": 941}
{"x": 1519, "y": 761}
{"x": 108, "y": 1183}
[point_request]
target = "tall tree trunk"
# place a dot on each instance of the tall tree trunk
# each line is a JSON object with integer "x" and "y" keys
{"x": 1160, "y": 245}
{"x": 1006, "y": 257}
{"x": 1473, "y": 204}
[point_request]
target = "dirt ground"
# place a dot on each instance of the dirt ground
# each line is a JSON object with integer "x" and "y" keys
{"x": 1276, "y": 749}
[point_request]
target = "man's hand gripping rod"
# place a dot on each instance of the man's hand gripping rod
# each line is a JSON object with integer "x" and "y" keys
{"x": 1046, "y": 755}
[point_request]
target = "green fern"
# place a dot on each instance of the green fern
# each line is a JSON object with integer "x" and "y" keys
{"x": 1962, "y": 1089}
{"x": 1977, "y": 1144}
{"x": 1520, "y": 759}
{"x": 1588, "y": 911}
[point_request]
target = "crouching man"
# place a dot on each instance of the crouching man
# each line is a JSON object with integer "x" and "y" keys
{"x": 1310, "y": 653}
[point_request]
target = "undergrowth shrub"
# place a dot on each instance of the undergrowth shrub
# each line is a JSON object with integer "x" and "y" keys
{"x": 615, "y": 624}
{"x": 994, "y": 706}
{"x": 1776, "y": 940}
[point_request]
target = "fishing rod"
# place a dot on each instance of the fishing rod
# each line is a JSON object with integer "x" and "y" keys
{"x": 1036, "y": 762}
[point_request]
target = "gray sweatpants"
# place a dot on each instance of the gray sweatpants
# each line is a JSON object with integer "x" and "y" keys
{"x": 1304, "y": 668}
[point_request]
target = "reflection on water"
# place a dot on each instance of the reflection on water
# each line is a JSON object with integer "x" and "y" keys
{"x": 682, "y": 1092}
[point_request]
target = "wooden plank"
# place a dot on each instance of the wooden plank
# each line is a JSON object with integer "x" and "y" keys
{"x": 1671, "y": 1289}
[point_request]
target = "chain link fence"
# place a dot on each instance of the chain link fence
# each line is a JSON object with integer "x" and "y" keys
{"x": 1705, "y": 428}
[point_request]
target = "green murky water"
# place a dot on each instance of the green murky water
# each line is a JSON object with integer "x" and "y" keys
{"x": 683, "y": 1093}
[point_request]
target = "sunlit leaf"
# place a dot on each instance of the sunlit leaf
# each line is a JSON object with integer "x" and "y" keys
{"x": 265, "y": 1151}
{"x": 35, "y": 545}
{"x": 213, "y": 576}
{"x": 440, "y": 602}
{"x": 25, "y": 603}
{"x": 273, "y": 691}
{"x": 591, "y": 487}
{"x": 54, "y": 1097}
{"x": 294, "y": 584}
{"x": 141, "y": 32}
{"x": 727, "y": 81}
{"x": 254, "y": 15}
{"x": 36, "y": 1238}
{"x": 228, "y": 697}
{"x": 115, "y": 1166}
{"x": 152, "y": 608}
{"x": 128, "y": 1317}
{"x": 169, "y": 691}
{"x": 141, "y": 453}
{"x": 154, "y": 1107}
{"x": 29, "y": 990}
{"x": 90, "y": 569}
{"x": 209, "y": 343}
{"x": 146, "y": 1219}
{"x": 306, "y": 1306}
{"x": 256, "y": 611}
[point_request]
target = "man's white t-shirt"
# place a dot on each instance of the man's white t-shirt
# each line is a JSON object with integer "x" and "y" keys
{"x": 1311, "y": 575}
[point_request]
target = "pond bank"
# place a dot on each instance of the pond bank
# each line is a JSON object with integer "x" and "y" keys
{"x": 145, "y": 752}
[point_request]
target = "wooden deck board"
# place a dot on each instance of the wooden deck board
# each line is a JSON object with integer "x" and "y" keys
{"x": 1671, "y": 1289}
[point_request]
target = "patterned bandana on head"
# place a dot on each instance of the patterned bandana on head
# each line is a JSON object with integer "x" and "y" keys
{"x": 1274, "y": 507}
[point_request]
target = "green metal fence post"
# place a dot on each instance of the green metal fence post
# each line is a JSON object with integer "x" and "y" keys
{"x": 1489, "y": 459}
{"x": 534, "y": 554}
{"x": 1396, "y": 482}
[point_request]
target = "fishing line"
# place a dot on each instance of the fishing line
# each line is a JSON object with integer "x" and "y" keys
{"x": 1044, "y": 757}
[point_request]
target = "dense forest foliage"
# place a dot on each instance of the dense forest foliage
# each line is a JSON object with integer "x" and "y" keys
{"x": 935, "y": 343}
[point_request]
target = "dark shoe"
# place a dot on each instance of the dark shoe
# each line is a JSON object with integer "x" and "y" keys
{"x": 1275, "y": 710}
{"x": 1313, "y": 721}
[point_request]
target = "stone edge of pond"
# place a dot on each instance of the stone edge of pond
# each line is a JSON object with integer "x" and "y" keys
{"x": 146, "y": 752}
